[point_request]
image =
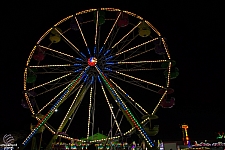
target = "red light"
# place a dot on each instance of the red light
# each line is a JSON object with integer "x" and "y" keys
{"x": 92, "y": 61}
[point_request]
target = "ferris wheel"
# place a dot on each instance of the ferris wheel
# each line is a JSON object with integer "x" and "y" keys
{"x": 79, "y": 73}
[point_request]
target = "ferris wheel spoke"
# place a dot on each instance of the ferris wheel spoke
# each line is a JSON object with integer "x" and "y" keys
{"x": 112, "y": 37}
{"x": 126, "y": 44}
{"x": 140, "y": 53}
{"x": 55, "y": 56}
{"x": 78, "y": 24}
{"x": 72, "y": 107}
{"x": 126, "y": 70}
{"x": 71, "y": 44}
{"x": 72, "y": 85}
{"x": 96, "y": 28}
{"x": 89, "y": 112}
{"x": 55, "y": 97}
{"x": 133, "y": 83}
{"x": 110, "y": 32}
{"x": 119, "y": 53}
{"x": 50, "y": 49}
{"x": 110, "y": 107}
{"x": 138, "y": 79}
{"x": 126, "y": 35}
{"x": 137, "y": 62}
{"x": 49, "y": 82}
{"x": 54, "y": 86}
{"x": 158, "y": 104}
{"x": 47, "y": 66}
{"x": 48, "y": 90}
{"x": 130, "y": 98}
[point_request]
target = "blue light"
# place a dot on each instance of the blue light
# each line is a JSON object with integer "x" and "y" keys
{"x": 94, "y": 49}
{"x": 108, "y": 69}
{"x": 101, "y": 49}
{"x": 110, "y": 63}
{"x": 77, "y": 64}
{"x": 92, "y": 79}
{"x": 79, "y": 59}
{"x": 99, "y": 79}
{"x": 106, "y": 52}
{"x": 82, "y": 54}
{"x": 89, "y": 51}
{"x": 78, "y": 70}
{"x": 86, "y": 78}
{"x": 109, "y": 58}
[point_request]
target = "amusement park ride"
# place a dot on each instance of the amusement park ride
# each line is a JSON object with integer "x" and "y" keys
{"x": 98, "y": 52}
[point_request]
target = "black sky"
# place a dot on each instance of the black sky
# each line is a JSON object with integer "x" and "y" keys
{"x": 195, "y": 36}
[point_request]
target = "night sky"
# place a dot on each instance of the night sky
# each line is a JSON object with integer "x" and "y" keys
{"x": 195, "y": 37}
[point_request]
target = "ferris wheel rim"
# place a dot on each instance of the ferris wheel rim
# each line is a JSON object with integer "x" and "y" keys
{"x": 65, "y": 19}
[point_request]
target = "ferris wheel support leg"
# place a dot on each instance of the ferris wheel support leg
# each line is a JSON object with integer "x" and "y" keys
{"x": 125, "y": 109}
{"x": 63, "y": 97}
{"x": 79, "y": 98}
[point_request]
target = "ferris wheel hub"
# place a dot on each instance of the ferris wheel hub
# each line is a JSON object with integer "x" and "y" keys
{"x": 92, "y": 61}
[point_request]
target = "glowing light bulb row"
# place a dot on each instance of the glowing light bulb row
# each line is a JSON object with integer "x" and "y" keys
{"x": 137, "y": 62}
{"x": 49, "y": 82}
{"x": 107, "y": 100}
{"x": 166, "y": 48}
{"x": 126, "y": 35}
{"x": 112, "y": 28}
{"x": 54, "y": 98}
{"x": 43, "y": 66}
{"x": 155, "y": 109}
{"x": 56, "y": 51}
{"x": 101, "y": 49}
{"x": 133, "y": 14}
{"x": 96, "y": 27}
{"x": 139, "y": 54}
{"x": 63, "y": 20}
{"x": 78, "y": 70}
{"x": 94, "y": 50}
{"x": 139, "y": 79}
{"x": 30, "y": 56}
{"x": 139, "y": 69}
{"x": 110, "y": 9}
{"x": 153, "y": 28}
{"x": 110, "y": 87}
{"x": 44, "y": 35}
{"x": 85, "y": 11}
{"x": 108, "y": 58}
{"x": 53, "y": 132}
{"x": 135, "y": 47}
{"x": 129, "y": 96}
{"x": 77, "y": 64}
{"x": 89, "y": 113}
{"x": 168, "y": 77}
{"x": 66, "y": 39}
{"x": 130, "y": 115}
{"x": 78, "y": 24}
{"x": 106, "y": 52}
{"x": 25, "y": 79}
{"x": 29, "y": 104}
{"x": 60, "y": 127}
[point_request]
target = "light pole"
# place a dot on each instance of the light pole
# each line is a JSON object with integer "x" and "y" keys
{"x": 111, "y": 126}
{"x": 111, "y": 120}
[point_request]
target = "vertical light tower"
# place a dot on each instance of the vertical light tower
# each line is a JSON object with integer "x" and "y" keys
{"x": 185, "y": 134}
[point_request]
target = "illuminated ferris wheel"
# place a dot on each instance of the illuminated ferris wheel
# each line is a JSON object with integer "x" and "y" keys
{"x": 80, "y": 72}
